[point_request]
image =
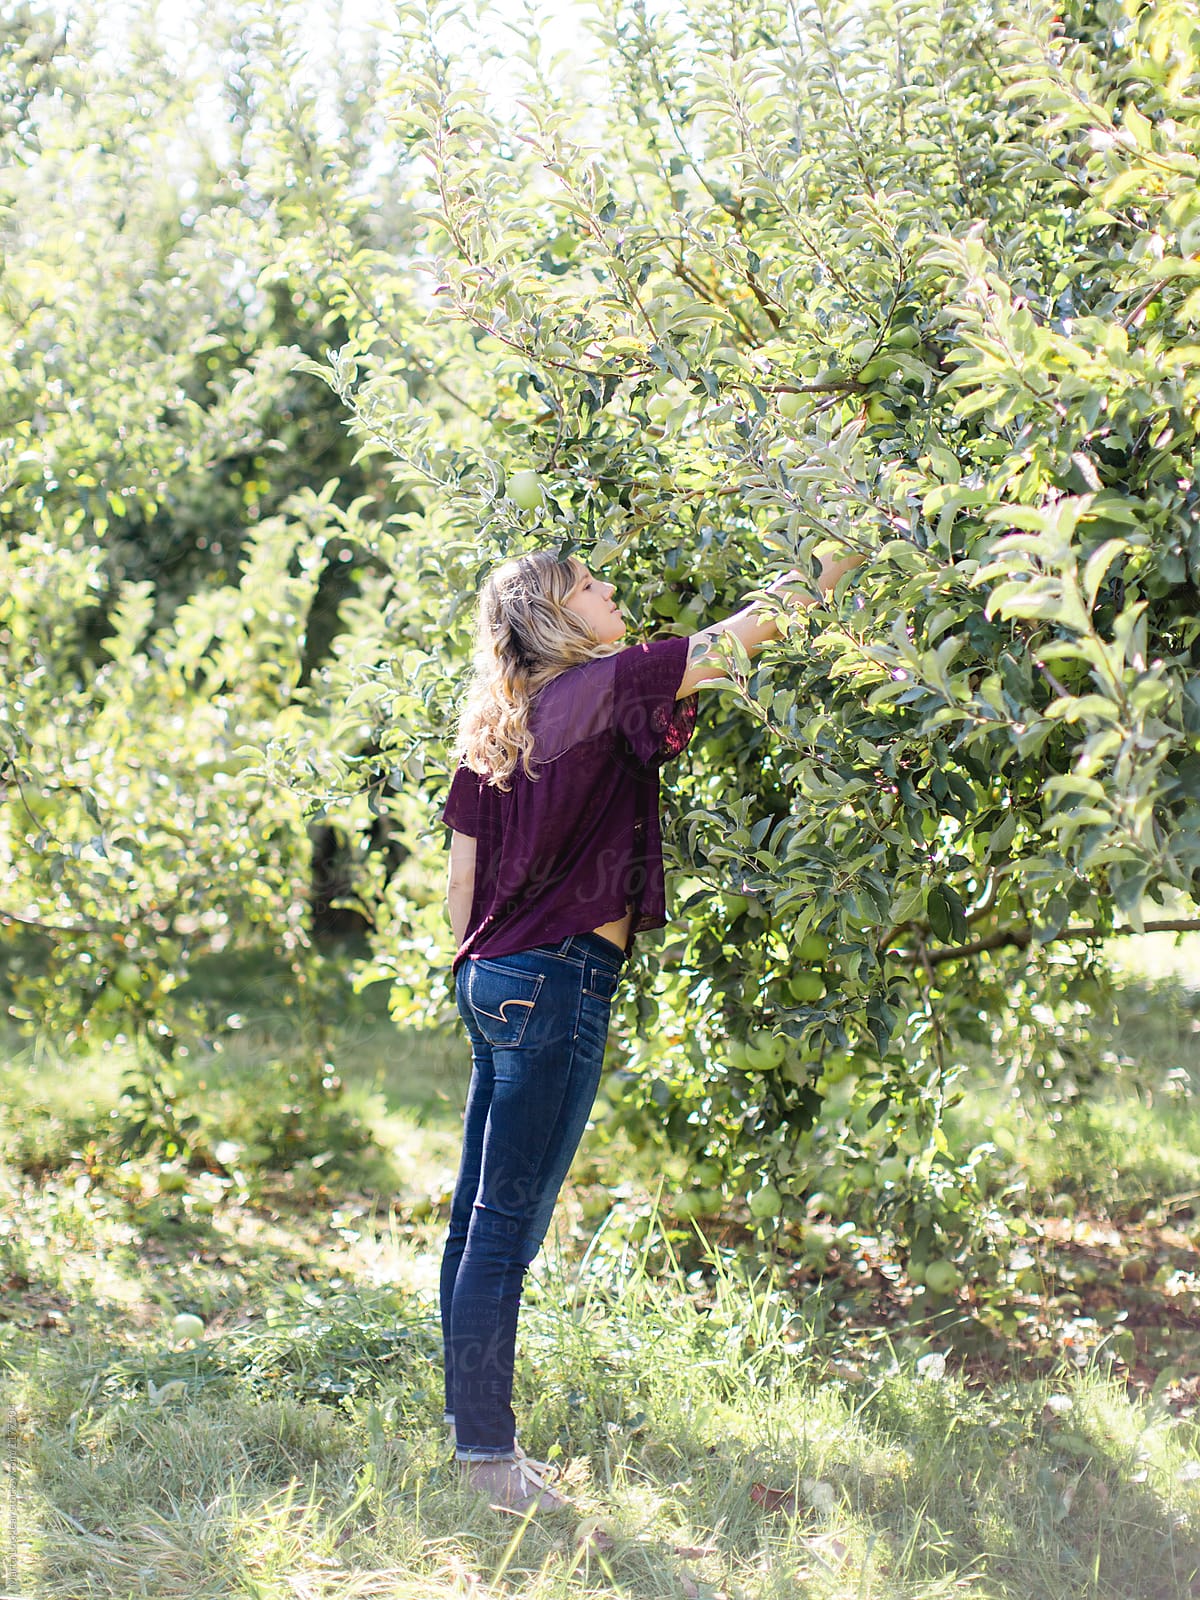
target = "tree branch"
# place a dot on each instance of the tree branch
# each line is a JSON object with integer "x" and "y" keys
{"x": 1020, "y": 937}
{"x": 87, "y": 926}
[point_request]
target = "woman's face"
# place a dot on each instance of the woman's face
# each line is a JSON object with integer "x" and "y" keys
{"x": 593, "y": 601}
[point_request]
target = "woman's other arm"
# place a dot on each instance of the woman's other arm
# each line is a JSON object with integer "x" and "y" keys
{"x": 460, "y": 883}
{"x": 755, "y": 627}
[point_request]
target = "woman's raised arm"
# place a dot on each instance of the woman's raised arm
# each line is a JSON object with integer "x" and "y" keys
{"x": 755, "y": 627}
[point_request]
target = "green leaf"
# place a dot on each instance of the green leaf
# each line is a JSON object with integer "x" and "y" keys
{"x": 1097, "y": 566}
{"x": 941, "y": 914}
{"x": 1138, "y": 125}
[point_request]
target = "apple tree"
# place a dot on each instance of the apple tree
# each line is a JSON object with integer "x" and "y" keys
{"x": 168, "y": 570}
{"x": 915, "y": 280}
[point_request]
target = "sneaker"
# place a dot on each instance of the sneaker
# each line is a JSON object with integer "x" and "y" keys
{"x": 517, "y": 1485}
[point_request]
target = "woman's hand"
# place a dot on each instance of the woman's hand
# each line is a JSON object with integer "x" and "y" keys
{"x": 798, "y": 587}
{"x": 754, "y": 624}
{"x": 832, "y": 569}
{"x": 788, "y": 581}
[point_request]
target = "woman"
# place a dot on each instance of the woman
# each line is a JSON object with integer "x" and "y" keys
{"x": 555, "y": 865}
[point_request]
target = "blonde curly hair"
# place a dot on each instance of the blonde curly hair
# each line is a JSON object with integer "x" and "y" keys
{"x": 524, "y": 636}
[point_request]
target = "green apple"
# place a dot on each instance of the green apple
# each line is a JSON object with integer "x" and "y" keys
{"x": 712, "y": 1202}
{"x": 737, "y": 1053}
{"x": 736, "y": 905}
{"x": 806, "y": 987}
{"x": 879, "y": 411}
{"x": 658, "y": 408}
{"x": 127, "y": 977}
{"x": 764, "y": 1051}
{"x": 765, "y": 1202}
{"x": 813, "y": 947}
{"x": 941, "y": 1276}
{"x": 904, "y": 338}
{"x": 687, "y": 1204}
{"x": 838, "y": 1064}
{"x": 791, "y": 404}
{"x": 187, "y": 1326}
{"x": 526, "y": 489}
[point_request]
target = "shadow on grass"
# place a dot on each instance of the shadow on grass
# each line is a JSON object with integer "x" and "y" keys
{"x": 303, "y": 1438}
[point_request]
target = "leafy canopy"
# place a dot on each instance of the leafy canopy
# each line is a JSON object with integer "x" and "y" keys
{"x": 913, "y": 279}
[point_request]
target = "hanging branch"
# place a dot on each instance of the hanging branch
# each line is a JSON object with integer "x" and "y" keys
{"x": 1020, "y": 937}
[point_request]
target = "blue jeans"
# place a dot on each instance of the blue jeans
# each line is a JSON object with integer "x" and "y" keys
{"x": 537, "y": 1022}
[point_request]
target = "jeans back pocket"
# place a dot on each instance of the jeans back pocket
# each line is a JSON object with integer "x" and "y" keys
{"x": 600, "y": 980}
{"x": 502, "y": 999}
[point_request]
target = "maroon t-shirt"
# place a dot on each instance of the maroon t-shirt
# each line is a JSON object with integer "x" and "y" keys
{"x": 567, "y": 851}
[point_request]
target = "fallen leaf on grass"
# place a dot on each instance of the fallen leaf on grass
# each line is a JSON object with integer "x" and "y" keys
{"x": 817, "y": 1495}
{"x": 845, "y": 1369}
{"x": 694, "y": 1552}
{"x": 829, "y": 1549}
{"x": 774, "y": 1499}
{"x": 693, "y": 1591}
{"x": 591, "y": 1536}
{"x": 463, "y": 1574}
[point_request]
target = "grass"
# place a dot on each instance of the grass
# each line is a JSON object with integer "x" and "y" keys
{"x": 1126, "y": 1142}
{"x": 725, "y": 1454}
{"x": 738, "y": 1429}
